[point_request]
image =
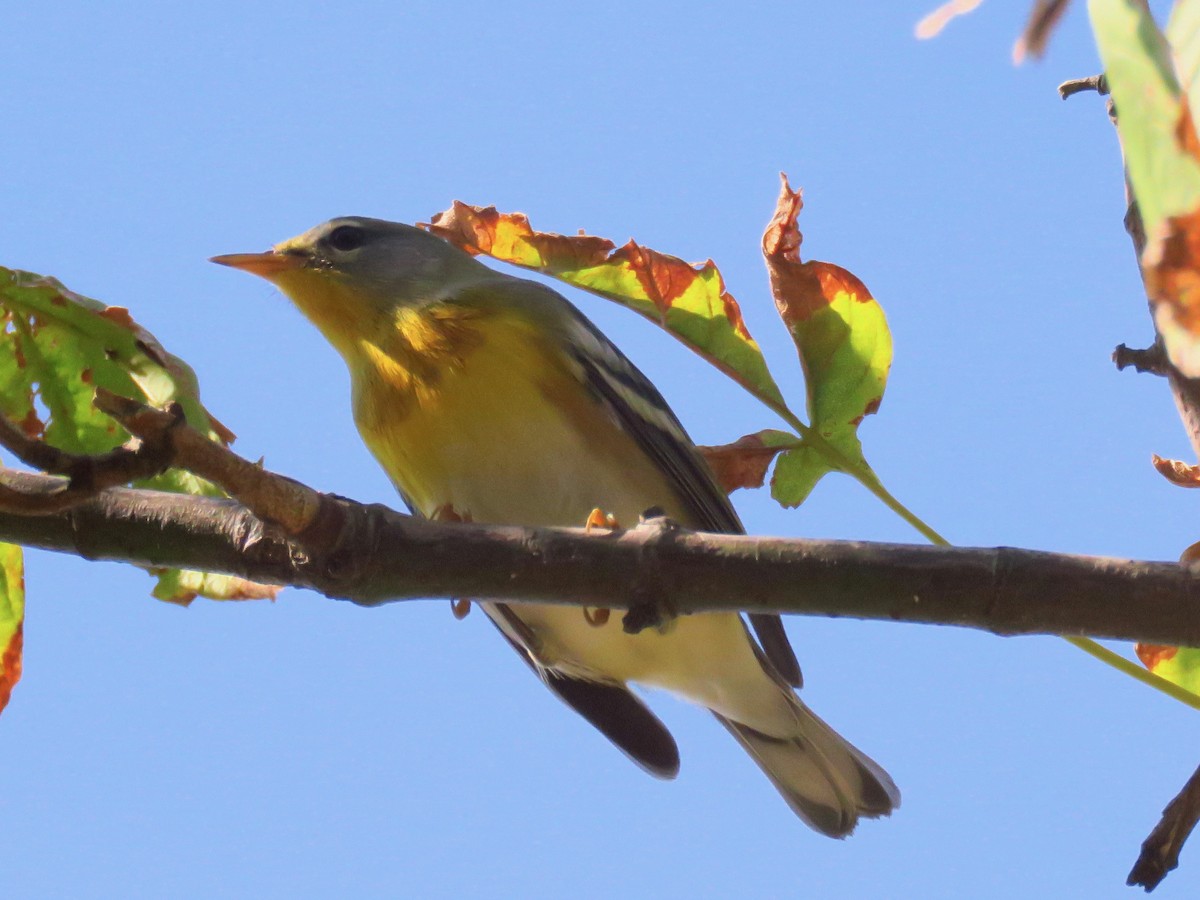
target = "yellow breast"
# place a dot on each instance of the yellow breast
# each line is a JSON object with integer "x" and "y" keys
{"x": 493, "y": 421}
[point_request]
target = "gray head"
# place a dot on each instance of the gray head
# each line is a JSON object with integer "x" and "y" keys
{"x": 380, "y": 257}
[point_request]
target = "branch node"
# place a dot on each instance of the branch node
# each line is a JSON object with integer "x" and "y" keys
{"x": 1097, "y": 83}
{"x": 1152, "y": 359}
{"x": 648, "y": 605}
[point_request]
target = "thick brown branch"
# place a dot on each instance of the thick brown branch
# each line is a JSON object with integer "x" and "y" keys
{"x": 375, "y": 555}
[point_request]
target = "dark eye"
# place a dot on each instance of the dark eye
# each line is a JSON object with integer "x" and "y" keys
{"x": 345, "y": 238}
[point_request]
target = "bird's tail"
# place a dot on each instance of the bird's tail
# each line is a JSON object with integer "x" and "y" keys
{"x": 826, "y": 781}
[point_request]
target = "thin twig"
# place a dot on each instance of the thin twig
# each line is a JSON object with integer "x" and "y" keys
{"x": 1160, "y": 851}
{"x": 269, "y": 496}
{"x": 1152, "y": 360}
{"x": 85, "y": 475}
{"x": 1074, "y": 86}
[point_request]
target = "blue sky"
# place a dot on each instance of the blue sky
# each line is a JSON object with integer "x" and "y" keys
{"x": 309, "y": 748}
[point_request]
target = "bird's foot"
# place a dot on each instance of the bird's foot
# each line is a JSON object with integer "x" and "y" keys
{"x": 598, "y": 518}
{"x": 460, "y": 607}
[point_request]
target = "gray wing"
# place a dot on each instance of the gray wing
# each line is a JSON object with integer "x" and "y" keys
{"x": 643, "y": 412}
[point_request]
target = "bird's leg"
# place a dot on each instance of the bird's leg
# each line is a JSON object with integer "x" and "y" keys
{"x": 461, "y": 606}
{"x": 598, "y": 518}
{"x": 648, "y": 608}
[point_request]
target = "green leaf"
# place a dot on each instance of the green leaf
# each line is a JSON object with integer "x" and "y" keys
{"x": 796, "y": 474}
{"x": 1149, "y": 100}
{"x": 845, "y": 346}
{"x": 57, "y": 347}
{"x": 1179, "y": 665}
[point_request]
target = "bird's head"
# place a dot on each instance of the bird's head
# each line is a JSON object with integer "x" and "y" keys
{"x": 353, "y": 275}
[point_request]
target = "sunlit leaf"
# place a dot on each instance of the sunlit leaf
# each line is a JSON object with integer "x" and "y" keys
{"x": 1180, "y": 665}
{"x": 844, "y": 343}
{"x": 182, "y": 586}
{"x": 688, "y": 301}
{"x": 57, "y": 347}
{"x": 12, "y": 617}
{"x": 1158, "y": 139}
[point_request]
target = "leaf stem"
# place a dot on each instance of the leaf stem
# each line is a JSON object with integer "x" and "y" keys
{"x": 868, "y": 479}
{"x": 1133, "y": 670}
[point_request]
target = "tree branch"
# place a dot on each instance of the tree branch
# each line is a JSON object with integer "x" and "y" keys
{"x": 373, "y": 555}
{"x": 1160, "y": 851}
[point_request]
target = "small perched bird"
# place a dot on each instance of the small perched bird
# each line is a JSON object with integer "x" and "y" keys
{"x": 491, "y": 398}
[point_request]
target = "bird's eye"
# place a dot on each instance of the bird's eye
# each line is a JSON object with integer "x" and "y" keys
{"x": 345, "y": 238}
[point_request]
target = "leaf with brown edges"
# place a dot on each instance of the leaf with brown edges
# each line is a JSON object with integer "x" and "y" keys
{"x": 12, "y": 618}
{"x": 689, "y": 301}
{"x": 744, "y": 463}
{"x": 843, "y": 340}
{"x": 1171, "y": 264}
{"x": 56, "y": 348}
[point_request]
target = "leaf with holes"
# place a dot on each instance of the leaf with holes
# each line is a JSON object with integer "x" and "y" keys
{"x": 57, "y": 347}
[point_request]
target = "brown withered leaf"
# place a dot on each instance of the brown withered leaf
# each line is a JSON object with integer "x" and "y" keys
{"x": 1185, "y": 130}
{"x": 1177, "y": 471}
{"x": 1043, "y": 19}
{"x": 932, "y": 24}
{"x": 1154, "y": 655}
{"x": 1171, "y": 264}
{"x": 509, "y": 236}
{"x": 744, "y": 463}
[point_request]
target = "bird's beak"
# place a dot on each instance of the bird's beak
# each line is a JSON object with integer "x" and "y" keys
{"x": 267, "y": 265}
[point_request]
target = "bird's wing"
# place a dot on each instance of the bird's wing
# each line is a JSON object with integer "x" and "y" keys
{"x": 611, "y": 708}
{"x": 644, "y": 414}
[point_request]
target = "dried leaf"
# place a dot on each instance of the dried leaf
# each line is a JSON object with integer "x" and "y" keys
{"x": 1177, "y": 471}
{"x": 688, "y": 301}
{"x": 744, "y": 463}
{"x": 932, "y": 24}
{"x": 1185, "y": 131}
{"x": 1154, "y": 655}
{"x": 1171, "y": 265}
{"x": 1043, "y": 19}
